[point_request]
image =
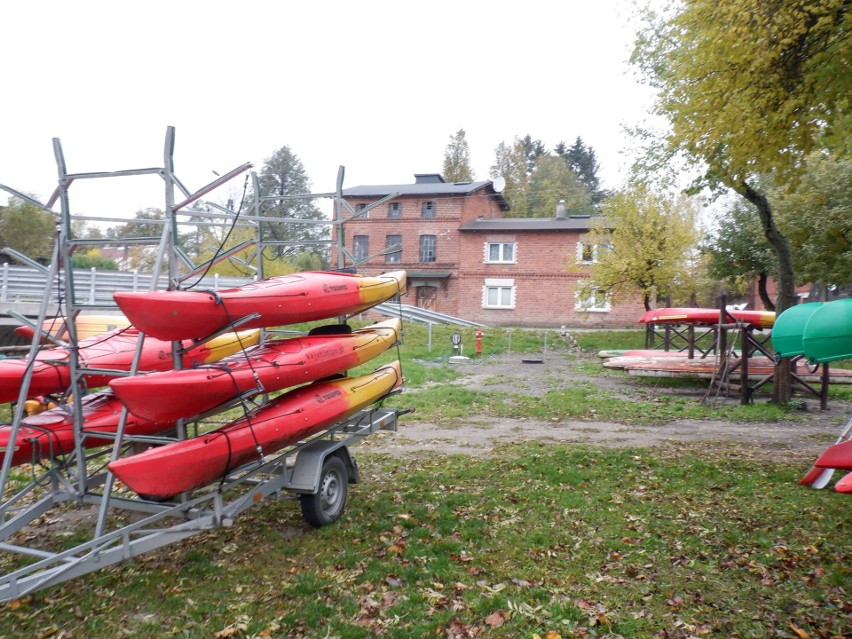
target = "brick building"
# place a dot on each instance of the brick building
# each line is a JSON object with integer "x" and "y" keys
{"x": 464, "y": 258}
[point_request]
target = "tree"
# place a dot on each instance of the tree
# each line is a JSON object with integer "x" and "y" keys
{"x": 531, "y": 150}
{"x": 457, "y": 159}
{"x": 645, "y": 244}
{"x": 536, "y": 180}
{"x": 738, "y": 251}
{"x": 583, "y": 161}
{"x": 93, "y": 259}
{"x": 510, "y": 162}
{"x": 27, "y": 229}
{"x": 750, "y": 87}
{"x": 284, "y": 175}
{"x": 553, "y": 181}
{"x": 816, "y": 217}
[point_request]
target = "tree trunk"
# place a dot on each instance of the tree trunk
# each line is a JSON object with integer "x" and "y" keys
{"x": 783, "y": 391}
{"x": 768, "y": 304}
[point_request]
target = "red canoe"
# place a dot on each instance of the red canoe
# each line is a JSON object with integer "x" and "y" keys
{"x": 51, "y": 433}
{"x": 111, "y": 351}
{"x": 289, "y": 299}
{"x": 271, "y": 366}
{"x": 837, "y": 456}
{"x": 844, "y": 485}
{"x": 706, "y": 316}
{"x": 163, "y": 472}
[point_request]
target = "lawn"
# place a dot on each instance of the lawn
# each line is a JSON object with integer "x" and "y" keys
{"x": 550, "y": 541}
{"x": 539, "y": 540}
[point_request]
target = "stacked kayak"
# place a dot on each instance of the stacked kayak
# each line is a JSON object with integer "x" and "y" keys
{"x": 86, "y": 325}
{"x": 51, "y": 433}
{"x": 233, "y": 365}
{"x": 113, "y": 353}
{"x": 288, "y": 299}
{"x": 706, "y": 316}
{"x": 164, "y": 472}
{"x": 270, "y": 366}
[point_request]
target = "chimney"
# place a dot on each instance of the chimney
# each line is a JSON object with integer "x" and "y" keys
{"x": 561, "y": 213}
{"x": 428, "y": 178}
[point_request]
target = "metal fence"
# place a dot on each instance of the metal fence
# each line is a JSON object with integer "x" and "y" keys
{"x": 25, "y": 285}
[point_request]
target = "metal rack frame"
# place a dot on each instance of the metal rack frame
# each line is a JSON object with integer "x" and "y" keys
{"x": 81, "y": 480}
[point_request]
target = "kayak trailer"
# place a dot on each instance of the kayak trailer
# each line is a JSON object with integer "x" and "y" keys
{"x": 317, "y": 472}
{"x": 71, "y": 515}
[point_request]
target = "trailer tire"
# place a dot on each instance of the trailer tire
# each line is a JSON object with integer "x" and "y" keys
{"x": 326, "y": 506}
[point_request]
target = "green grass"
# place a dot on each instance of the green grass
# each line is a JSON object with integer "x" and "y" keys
{"x": 559, "y": 539}
{"x": 539, "y": 539}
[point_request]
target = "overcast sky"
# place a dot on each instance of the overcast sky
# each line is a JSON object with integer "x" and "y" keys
{"x": 377, "y": 87}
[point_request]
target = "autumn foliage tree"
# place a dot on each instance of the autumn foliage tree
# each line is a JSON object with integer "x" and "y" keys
{"x": 457, "y": 159}
{"x": 646, "y": 245}
{"x": 27, "y": 229}
{"x": 537, "y": 179}
{"x": 751, "y": 87}
{"x": 748, "y": 88}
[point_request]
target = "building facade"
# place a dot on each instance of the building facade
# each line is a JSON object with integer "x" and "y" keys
{"x": 465, "y": 258}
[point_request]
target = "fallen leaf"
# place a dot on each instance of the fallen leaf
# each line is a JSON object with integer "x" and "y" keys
{"x": 495, "y": 619}
{"x": 801, "y": 634}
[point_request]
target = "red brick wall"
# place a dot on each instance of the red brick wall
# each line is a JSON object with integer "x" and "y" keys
{"x": 545, "y": 278}
{"x": 544, "y": 274}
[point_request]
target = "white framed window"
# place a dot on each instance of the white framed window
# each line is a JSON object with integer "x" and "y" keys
{"x": 500, "y": 253}
{"x": 498, "y": 293}
{"x": 589, "y": 253}
{"x": 394, "y": 209}
{"x": 598, "y": 301}
{"x": 361, "y": 212}
{"x": 428, "y": 248}
{"x": 360, "y": 247}
{"x": 428, "y": 209}
{"x": 393, "y": 248}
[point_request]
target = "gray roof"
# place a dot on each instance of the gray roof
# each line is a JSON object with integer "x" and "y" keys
{"x": 424, "y": 188}
{"x": 531, "y": 224}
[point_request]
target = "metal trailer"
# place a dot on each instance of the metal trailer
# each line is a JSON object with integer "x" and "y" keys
{"x": 317, "y": 470}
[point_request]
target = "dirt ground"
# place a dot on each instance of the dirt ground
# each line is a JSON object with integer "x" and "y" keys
{"x": 804, "y": 436}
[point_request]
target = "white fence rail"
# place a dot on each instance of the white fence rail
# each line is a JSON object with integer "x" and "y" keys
{"x": 26, "y": 285}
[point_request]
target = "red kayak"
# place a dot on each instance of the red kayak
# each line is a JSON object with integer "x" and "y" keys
{"x": 164, "y": 472}
{"x": 87, "y": 326}
{"x": 844, "y": 485}
{"x": 111, "y": 351}
{"x": 51, "y": 433}
{"x": 288, "y": 299}
{"x": 707, "y": 316}
{"x": 271, "y": 366}
{"x": 838, "y": 456}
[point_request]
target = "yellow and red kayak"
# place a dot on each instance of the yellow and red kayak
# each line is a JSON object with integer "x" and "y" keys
{"x": 706, "y": 316}
{"x": 164, "y": 472}
{"x": 270, "y": 366}
{"x": 111, "y": 351}
{"x": 288, "y": 299}
{"x": 51, "y": 433}
{"x": 87, "y": 326}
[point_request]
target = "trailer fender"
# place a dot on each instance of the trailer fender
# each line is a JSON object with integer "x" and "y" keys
{"x": 305, "y": 474}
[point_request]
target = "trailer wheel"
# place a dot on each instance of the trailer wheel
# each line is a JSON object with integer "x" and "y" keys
{"x": 326, "y": 506}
